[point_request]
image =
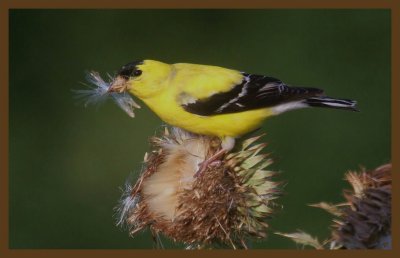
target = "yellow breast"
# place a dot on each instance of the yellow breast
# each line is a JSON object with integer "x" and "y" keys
{"x": 234, "y": 124}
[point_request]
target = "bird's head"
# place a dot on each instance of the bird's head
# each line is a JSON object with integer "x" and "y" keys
{"x": 143, "y": 79}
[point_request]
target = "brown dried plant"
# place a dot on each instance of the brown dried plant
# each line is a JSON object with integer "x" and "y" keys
{"x": 364, "y": 220}
{"x": 225, "y": 206}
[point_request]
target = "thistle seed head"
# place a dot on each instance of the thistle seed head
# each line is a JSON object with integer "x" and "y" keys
{"x": 365, "y": 218}
{"x": 227, "y": 205}
{"x": 363, "y": 221}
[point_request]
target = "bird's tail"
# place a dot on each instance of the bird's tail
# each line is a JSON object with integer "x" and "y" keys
{"x": 332, "y": 103}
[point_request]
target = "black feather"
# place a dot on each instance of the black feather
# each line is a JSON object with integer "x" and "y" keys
{"x": 129, "y": 69}
{"x": 254, "y": 92}
{"x": 332, "y": 103}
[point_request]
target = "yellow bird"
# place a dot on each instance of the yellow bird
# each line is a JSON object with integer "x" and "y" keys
{"x": 216, "y": 101}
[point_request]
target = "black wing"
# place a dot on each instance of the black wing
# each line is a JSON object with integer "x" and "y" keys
{"x": 254, "y": 92}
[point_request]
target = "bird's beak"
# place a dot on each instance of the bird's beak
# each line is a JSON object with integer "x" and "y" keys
{"x": 118, "y": 85}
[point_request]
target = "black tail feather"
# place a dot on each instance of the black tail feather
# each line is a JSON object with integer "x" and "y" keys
{"x": 332, "y": 103}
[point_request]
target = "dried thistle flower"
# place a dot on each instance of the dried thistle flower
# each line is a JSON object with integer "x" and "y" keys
{"x": 226, "y": 205}
{"x": 364, "y": 220}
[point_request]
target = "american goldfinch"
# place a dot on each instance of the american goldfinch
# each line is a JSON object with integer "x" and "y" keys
{"x": 216, "y": 101}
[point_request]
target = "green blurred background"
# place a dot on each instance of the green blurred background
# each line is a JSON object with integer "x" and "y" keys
{"x": 67, "y": 162}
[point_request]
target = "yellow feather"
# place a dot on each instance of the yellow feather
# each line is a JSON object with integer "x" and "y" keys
{"x": 202, "y": 81}
{"x": 235, "y": 124}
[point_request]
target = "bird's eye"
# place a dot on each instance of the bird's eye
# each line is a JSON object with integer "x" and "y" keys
{"x": 137, "y": 72}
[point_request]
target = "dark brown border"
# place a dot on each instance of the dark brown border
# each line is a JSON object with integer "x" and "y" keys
{"x": 200, "y": 4}
{"x": 395, "y": 124}
{"x": 4, "y": 128}
{"x": 5, "y": 5}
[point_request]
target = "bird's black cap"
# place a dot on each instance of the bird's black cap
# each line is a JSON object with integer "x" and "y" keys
{"x": 129, "y": 69}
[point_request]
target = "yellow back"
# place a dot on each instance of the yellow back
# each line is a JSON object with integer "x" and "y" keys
{"x": 203, "y": 81}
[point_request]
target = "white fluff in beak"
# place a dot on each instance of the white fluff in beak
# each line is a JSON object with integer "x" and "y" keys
{"x": 99, "y": 90}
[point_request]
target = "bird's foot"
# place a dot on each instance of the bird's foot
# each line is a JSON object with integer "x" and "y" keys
{"x": 213, "y": 161}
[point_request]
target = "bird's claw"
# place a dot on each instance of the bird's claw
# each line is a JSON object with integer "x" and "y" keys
{"x": 213, "y": 161}
{"x": 206, "y": 164}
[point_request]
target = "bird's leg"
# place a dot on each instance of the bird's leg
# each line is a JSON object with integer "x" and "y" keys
{"x": 207, "y": 162}
{"x": 227, "y": 144}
